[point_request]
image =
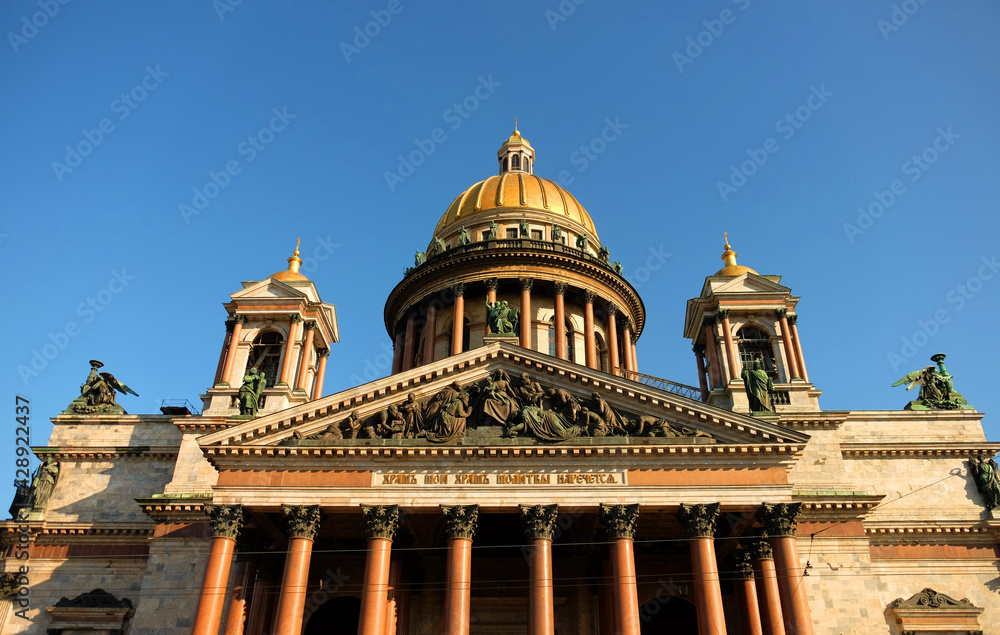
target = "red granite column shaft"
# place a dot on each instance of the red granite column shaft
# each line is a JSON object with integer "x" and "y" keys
{"x": 526, "y": 315}
{"x": 381, "y": 522}
{"x": 410, "y": 342}
{"x": 302, "y": 523}
{"x": 320, "y": 374}
{"x": 224, "y": 352}
{"x": 779, "y": 521}
{"x": 236, "y": 620}
{"x": 790, "y": 352}
{"x": 559, "y": 321}
{"x": 491, "y": 296}
{"x": 768, "y": 598}
{"x": 727, "y": 333}
{"x": 612, "y": 338}
{"x": 746, "y": 593}
{"x": 699, "y": 355}
{"x": 397, "y": 352}
{"x": 430, "y": 330}
{"x": 589, "y": 336}
{"x": 699, "y": 524}
{"x": 539, "y": 525}
{"x": 716, "y": 375}
{"x": 793, "y": 322}
{"x": 619, "y": 522}
{"x": 225, "y": 522}
{"x": 635, "y": 355}
{"x": 627, "y": 346}
{"x": 286, "y": 362}
{"x": 460, "y": 526}
{"x": 458, "y": 323}
{"x": 307, "y": 349}
{"x": 234, "y": 342}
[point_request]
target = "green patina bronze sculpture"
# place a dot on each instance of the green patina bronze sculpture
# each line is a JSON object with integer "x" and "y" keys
{"x": 419, "y": 258}
{"x": 493, "y": 232}
{"x": 437, "y": 247}
{"x": 464, "y": 237}
{"x": 97, "y": 393}
{"x": 523, "y": 229}
{"x": 581, "y": 242}
{"x": 251, "y": 391}
{"x": 501, "y": 317}
{"x": 556, "y": 233}
{"x": 43, "y": 483}
{"x": 937, "y": 392}
{"x": 604, "y": 254}
{"x": 987, "y": 476}
{"x": 758, "y": 386}
{"x": 617, "y": 266}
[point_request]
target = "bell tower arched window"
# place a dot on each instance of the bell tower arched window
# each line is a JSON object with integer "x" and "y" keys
{"x": 754, "y": 343}
{"x": 265, "y": 355}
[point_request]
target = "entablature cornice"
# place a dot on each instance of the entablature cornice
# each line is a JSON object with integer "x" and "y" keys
{"x": 918, "y": 449}
{"x": 836, "y": 505}
{"x": 823, "y": 420}
{"x": 176, "y": 509}
{"x": 934, "y": 531}
{"x": 98, "y": 453}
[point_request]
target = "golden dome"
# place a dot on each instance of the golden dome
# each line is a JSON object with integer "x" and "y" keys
{"x": 511, "y": 191}
{"x": 731, "y": 268}
{"x": 292, "y": 273}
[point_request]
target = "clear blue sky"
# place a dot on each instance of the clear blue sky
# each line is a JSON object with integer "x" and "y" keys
{"x": 179, "y": 87}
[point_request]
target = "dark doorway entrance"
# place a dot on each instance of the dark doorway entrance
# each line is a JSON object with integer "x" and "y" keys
{"x": 338, "y": 616}
{"x": 673, "y": 615}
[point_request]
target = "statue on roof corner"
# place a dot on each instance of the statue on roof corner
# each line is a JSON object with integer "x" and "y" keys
{"x": 97, "y": 393}
{"x": 758, "y": 386}
{"x": 937, "y": 391}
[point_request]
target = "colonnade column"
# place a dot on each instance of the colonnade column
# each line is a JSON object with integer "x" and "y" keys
{"x": 716, "y": 377}
{"x": 226, "y": 522}
{"x": 779, "y": 521}
{"x": 526, "y": 315}
{"x": 302, "y": 523}
{"x": 491, "y": 296}
{"x": 786, "y": 338}
{"x": 430, "y": 332}
{"x": 612, "y": 338}
{"x": 727, "y": 333}
{"x": 589, "y": 337}
{"x": 306, "y": 352}
{"x": 768, "y": 598}
{"x": 460, "y": 526}
{"x": 793, "y": 321}
{"x": 264, "y": 594}
{"x": 409, "y": 341}
{"x": 458, "y": 323}
{"x": 381, "y": 522}
{"x": 235, "y": 329}
{"x": 559, "y": 321}
{"x": 397, "y": 352}
{"x": 699, "y": 525}
{"x": 699, "y": 356}
{"x": 324, "y": 354}
{"x": 746, "y": 593}
{"x": 293, "y": 335}
{"x": 627, "y": 345}
{"x": 619, "y": 523}
{"x": 539, "y": 523}
{"x": 244, "y": 575}
{"x": 635, "y": 357}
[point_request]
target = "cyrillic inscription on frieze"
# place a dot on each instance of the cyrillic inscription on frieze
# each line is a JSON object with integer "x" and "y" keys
{"x": 477, "y": 478}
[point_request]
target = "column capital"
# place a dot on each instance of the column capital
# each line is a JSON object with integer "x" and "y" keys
{"x": 708, "y": 320}
{"x": 526, "y": 283}
{"x": 539, "y": 521}
{"x": 779, "y": 519}
{"x": 699, "y": 349}
{"x": 301, "y": 521}
{"x": 619, "y": 521}
{"x": 381, "y": 521}
{"x": 560, "y": 287}
{"x": 295, "y": 318}
{"x": 781, "y": 313}
{"x": 311, "y": 324}
{"x": 724, "y": 313}
{"x": 323, "y": 352}
{"x": 759, "y": 548}
{"x": 698, "y": 520}
{"x": 239, "y": 319}
{"x": 459, "y": 289}
{"x": 226, "y": 520}
{"x": 460, "y": 520}
{"x": 589, "y": 296}
{"x": 611, "y": 308}
{"x": 742, "y": 566}
{"x": 492, "y": 284}
{"x": 793, "y": 319}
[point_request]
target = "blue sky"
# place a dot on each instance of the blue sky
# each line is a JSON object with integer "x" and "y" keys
{"x": 775, "y": 122}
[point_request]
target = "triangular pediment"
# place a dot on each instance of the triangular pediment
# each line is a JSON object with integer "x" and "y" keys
{"x": 652, "y": 416}
{"x": 746, "y": 283}
{"x": 269, "y": 289}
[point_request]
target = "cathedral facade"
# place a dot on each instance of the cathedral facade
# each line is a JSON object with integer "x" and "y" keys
{"x": 515, "y": 473}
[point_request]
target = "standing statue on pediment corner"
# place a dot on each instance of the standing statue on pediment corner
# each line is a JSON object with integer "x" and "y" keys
{"x": 251, "y": 391}
{"x": 43, "y": 483}
{"x": 419, "y": 258}
{"x": 987, "y": 476}
{"x": 604, "y": 254}
{"x": 758, "y": 386}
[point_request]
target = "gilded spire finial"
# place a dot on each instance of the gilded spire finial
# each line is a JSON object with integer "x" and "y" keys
{"x": 295, "y": 262}
{"x": 729, "y": 257}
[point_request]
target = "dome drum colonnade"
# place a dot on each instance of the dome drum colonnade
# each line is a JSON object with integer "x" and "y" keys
{"x": 573, "y": 304}
{"x": 765, "y": 569}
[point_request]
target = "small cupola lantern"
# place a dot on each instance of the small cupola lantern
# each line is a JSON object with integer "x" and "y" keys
{"x": 516, "y": 154}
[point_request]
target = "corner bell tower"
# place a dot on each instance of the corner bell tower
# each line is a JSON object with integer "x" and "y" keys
{"x": 742, "y": 317}
{"x": 281, "y": 327}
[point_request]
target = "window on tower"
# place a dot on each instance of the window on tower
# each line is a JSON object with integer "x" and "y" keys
{"x": 512, "y": 232}
{"x": 515, "y": 162}
{"x": 754, "y": 343}
{"x": 265, "y": 355}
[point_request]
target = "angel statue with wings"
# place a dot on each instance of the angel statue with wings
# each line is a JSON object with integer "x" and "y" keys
{"x": 937, "y": 392}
